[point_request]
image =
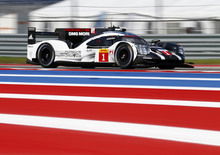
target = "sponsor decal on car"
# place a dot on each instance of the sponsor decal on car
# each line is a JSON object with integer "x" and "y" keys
{"x": 78, "y": 33}
{"x": 74, "y": 54}
{"x": 103, "y": 55}
{"x": 111, "y": 52}
{"x": 165, "y": 52}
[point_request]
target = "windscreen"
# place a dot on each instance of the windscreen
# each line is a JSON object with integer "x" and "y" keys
{"x": 141, "y": 45}
{"x": 134, "y": 39}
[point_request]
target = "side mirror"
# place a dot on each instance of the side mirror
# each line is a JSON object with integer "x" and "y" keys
{"x": 155, "y": 42}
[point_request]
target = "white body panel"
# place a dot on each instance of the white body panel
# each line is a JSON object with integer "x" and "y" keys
{"x": 81, "y": 53}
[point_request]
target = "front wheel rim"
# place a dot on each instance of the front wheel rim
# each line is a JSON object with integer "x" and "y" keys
{"x": 123, "y": 56}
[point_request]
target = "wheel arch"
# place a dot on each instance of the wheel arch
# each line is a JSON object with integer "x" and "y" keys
{"x": 134, "y": 49}
{"x": 122, "y": 56}
{"x": 57, "y": 46}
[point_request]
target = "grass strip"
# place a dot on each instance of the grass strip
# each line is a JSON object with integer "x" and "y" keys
{"x": 12, "y": 60}
{"x": 205, "y": 61}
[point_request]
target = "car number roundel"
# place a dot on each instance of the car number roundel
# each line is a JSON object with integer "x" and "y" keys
{"x": 103, "y": 55}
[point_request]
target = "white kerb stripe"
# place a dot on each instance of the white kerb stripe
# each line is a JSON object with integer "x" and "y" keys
{"x": 198, "y": 136}
{"x": 114, "y": 77}
{"x": 113, "y": 100}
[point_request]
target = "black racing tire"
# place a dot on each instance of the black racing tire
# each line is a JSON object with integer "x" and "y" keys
{"x": 46, "y": 56}
{"x": 166, "y": 67}
{"x": 124, "y": 56}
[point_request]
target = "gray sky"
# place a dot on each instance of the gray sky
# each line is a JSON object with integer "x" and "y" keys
{"x": 172, "y": 8}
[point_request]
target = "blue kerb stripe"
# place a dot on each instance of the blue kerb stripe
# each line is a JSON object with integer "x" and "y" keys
{"x": 108, "y": 81}
{"x": 109, "y": 73}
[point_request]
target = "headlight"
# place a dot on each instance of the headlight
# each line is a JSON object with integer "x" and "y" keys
{"x": 181, "y": 50}
{"x": 142, "y": 49}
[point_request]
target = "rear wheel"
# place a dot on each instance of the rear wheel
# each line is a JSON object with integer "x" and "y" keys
{"x": 124, "y": 56}
{"x": 46, "y": 56}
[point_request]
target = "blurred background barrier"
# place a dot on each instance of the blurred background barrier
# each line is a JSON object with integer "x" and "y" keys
{"x": 194, "y": 24}
{"x": 197, "y": 46}
{"x": 13, "y": 45}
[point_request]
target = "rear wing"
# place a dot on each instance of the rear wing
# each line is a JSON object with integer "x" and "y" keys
{"x": 64, "y": 34}
{"x": 32, "y": 34}
{"x": 74, "y": 35}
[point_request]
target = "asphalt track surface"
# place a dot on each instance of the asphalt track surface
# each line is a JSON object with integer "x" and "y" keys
{"x": 109, "y": 111}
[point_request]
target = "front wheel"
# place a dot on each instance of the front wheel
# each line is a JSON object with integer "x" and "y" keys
{"x": 124, "y": 56}
{"x": 46, "y": 56}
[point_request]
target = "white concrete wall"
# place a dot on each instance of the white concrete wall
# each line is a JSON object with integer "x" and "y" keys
{"x": 8, "y": 23}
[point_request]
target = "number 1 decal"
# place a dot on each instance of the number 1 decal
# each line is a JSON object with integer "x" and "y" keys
{"x": 103, "y": 55}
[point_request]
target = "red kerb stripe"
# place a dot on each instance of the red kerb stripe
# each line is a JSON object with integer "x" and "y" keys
{"x": 169, "y": 94}
{"x": 35, "y": 140}
{"x": 191, "y": 117}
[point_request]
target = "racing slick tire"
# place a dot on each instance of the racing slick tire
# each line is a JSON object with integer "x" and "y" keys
{"x": 124, "y": 56}
{"x": 46, "y": 56}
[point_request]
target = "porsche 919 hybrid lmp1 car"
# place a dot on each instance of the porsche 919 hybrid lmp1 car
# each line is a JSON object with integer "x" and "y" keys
{"x": 89, "y": 47}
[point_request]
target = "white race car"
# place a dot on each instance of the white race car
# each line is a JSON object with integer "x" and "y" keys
{"x": 90, "y": 47}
